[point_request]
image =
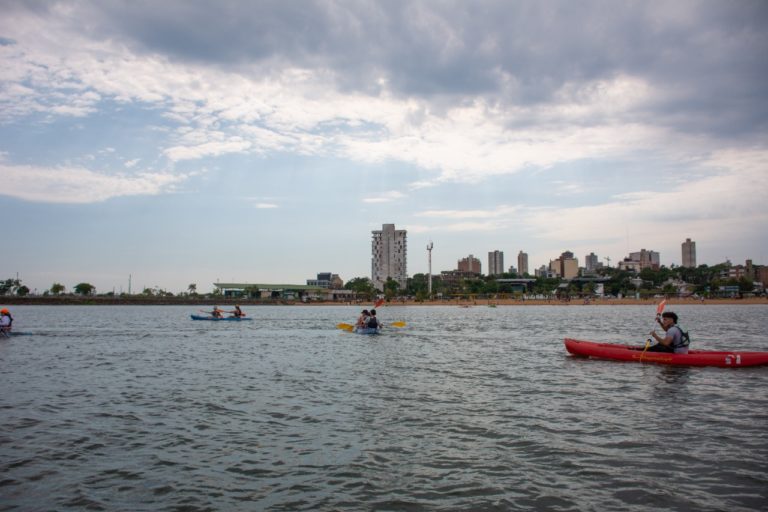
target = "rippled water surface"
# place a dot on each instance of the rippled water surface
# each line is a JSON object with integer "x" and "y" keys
{"x": 141, "y": 408}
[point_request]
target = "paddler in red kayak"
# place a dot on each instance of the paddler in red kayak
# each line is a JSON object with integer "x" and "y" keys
{"x": 676, "y": 341}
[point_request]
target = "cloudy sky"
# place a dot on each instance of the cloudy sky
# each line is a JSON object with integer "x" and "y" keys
{"x": 188, "y": 142}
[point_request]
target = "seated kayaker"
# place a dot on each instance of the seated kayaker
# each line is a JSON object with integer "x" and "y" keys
{"x": 675, "y": 341}
{"x": 373, "y": 322}
{"x": 362, "y": 320}
{"x": 6, "y": 320}
{"x": 216, "y": 313}
{"x": 237, "y": 312}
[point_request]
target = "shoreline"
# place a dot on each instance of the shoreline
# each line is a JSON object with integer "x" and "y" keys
{"x": 462, "y": 303}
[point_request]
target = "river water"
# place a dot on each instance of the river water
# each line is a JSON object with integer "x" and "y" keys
{"x": 140, "y": 408}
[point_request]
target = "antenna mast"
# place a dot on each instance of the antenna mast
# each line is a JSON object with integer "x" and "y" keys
{"x": 429, "y": 275}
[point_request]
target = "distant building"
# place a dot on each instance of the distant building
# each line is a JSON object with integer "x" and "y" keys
{"x": 389, "y": 255}
{"x": 591, "y": 262}
{"x": 452, "y": 279}
{"x": 566, "y": 266}
{"x": 689, "y": 253}
{"x": 761, "y": 275}
{"x": 637, "y": 261}
{"x": 522, "y": 263}
{"x": 495, "y": 263}
{"x": 326, "y": 280}
{"x": 470, "y": 264}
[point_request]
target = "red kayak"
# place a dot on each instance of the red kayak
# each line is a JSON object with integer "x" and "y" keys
{"x": 692, "y": 358}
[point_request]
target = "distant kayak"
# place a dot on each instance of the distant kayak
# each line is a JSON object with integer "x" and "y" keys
{"x": 367, "y": 330}
{"x": 615, "y": 352}
{"x": 225, "y": 319}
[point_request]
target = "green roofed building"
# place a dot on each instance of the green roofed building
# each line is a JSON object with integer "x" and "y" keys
{"x": 282, "y": 291}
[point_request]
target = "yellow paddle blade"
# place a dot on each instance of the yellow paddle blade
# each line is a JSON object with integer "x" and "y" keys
{"x": 345, "y": 327}
{"x": 397, "y": 324}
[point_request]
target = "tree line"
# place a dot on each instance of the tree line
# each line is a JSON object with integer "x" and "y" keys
{"x": 704, "y": 281}
{"x": 15, "y": 287}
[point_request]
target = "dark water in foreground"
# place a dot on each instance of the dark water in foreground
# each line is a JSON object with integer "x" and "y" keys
{"x": 140, "y": 408}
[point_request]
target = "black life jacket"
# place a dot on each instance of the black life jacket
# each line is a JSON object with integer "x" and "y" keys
{"x": 372, "y": 323}
{"x": 685, "y": 339}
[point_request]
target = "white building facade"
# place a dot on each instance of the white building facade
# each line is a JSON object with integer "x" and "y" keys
{"x": 389, "y": 256}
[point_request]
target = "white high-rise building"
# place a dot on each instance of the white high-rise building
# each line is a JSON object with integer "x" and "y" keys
{"x": 689, "y": 253}
{"x": 389, "y": 255}
{"x": 495, "y": 263}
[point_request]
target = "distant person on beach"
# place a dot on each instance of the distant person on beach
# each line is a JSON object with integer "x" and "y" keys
{"x": 676, "y": 341}
{"x": 237, "y": 312}
{"x": 6, "y": 320}
{"x": 362, "y": 320}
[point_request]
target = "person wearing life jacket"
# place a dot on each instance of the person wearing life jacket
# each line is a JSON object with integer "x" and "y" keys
{"x": 675, "y": 341}
{"x": 6, "y": 320}
{"x": 373, "y": 322}
{"x": 237, "y": 313}
{"x": 362, "y": 320}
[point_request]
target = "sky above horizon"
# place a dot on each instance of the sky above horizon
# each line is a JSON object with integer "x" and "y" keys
{"x": 184, "y": 142}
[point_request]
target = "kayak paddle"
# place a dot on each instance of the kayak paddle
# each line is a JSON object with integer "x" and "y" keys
{"x": 345, "y": 327}
{"x": 659, "y": 311}
{"x": 397, "y": 324}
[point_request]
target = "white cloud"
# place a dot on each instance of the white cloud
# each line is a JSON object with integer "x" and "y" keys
{"x": 301, "y": 110}
{"x": 384, "y": 197}
{"x": 266, "y": 205}
{"x": 78, "y": 185}
{"x": 723, "y": 207}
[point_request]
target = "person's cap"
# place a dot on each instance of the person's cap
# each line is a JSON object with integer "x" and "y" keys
{"x": 4, "y": 310}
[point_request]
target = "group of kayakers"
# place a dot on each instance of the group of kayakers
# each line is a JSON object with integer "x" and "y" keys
{"x": 219, "y": 313}
{"x": 674, "y": 341}
{"x": 368, "y": 320}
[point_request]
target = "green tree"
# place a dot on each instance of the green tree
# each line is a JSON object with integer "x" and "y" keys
{"x": 746, "y": 285}
{"x": 9, "y": 286}
{"x": 362, "y": 286}
{"x": 192, "y": 288}
{"x": 22, "y": 290}
{"x": 57, "y": 288}
{"x": 391, "y": 287}
{"x": 84, "y": 289}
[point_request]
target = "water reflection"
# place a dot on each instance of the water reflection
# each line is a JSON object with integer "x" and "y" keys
{"x": 674, "y": 375}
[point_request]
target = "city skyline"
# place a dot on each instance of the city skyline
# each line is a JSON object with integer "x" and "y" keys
{"x": 185, "y": 143}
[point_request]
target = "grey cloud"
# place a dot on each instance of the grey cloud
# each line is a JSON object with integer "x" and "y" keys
{"x": 709, "y": 58}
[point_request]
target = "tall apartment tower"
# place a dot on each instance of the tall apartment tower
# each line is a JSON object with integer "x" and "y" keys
{"x": 389, "y": 255}
{"x": 522, "y": 263}
{"x": 495, "y": 263}
{"x": 689, "y": 253}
